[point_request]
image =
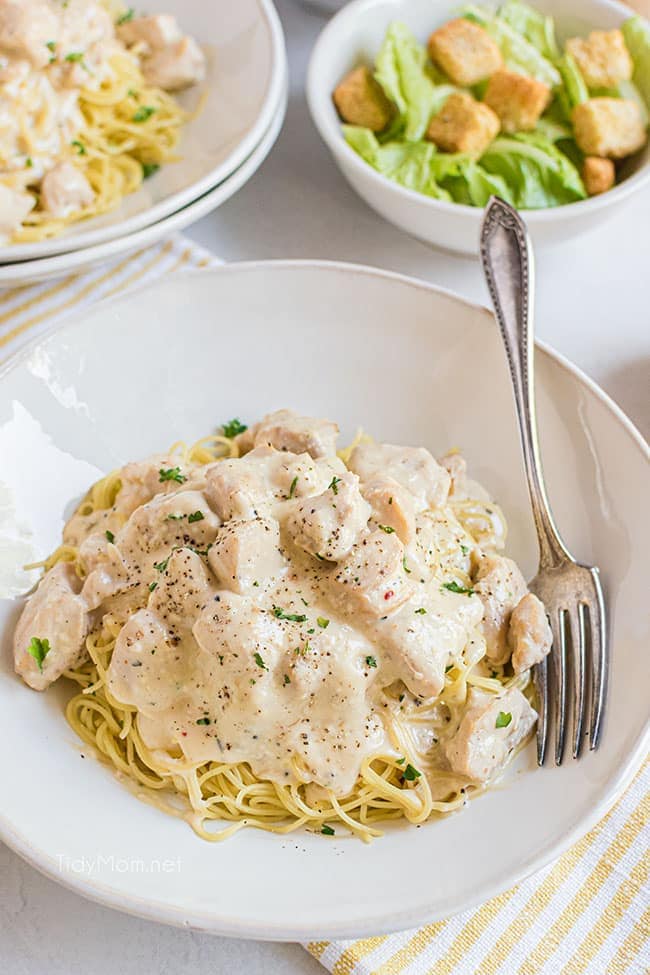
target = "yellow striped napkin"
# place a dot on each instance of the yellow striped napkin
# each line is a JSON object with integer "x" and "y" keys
{"x": 27, "y": 311}
{"x": 589, "y": 913}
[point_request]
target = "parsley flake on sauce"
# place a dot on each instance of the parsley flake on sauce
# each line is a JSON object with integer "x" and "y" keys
{"x": 421, "y": 611}
{"x": 74, "y": 57}
{"x": 149, "y": 169}
{"x": 327, "y": 830}
{"x": 79, "y": 146}
{"x": 287, "y": 680}
{"x": 333, "y": 484}
{"x": 38, "y": 649}
{"x": 292, "y": 489}
{"x": 371, "y": 662}
{"x": 171, "y": 474}
{"x": 233, "y": 428}
{"x": 322, "y": 622}
{"x": 503, "y": 719}
{"x": 126, "y": 17}
{"x": 195, "y": 516}
{"x": 110, "y": 536}
{"x": 454, "y": 586}
{"x": 387, "y": 528}
{"x": 259, "y": 660}
{"x": 280, "y": 614}
{"x": 411, "y": 774}
{"x": 203, "y": 721}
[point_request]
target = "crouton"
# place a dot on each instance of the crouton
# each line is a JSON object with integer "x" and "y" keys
{"x": 602, "y": 58}
{"x": 464, "y": 51}
{"x": 463, "y": 125}
{"x": 517, "y": 99}
{"x": 598, "y": 175}
{"x": 360, "y": 100}
{"x": 609, "y": 127}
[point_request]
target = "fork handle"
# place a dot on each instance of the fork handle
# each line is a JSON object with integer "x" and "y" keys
{"x": 507, "y": 259}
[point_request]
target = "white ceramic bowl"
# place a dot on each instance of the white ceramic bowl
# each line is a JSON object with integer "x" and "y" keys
{"x": 75, "y": 262}
{"x": 126, "y": 380}
{"x": 354, "y": 36}
{"x": 246, "y": 57}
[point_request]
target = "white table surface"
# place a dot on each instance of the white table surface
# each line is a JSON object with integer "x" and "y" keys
{"x": 593, "y": 306}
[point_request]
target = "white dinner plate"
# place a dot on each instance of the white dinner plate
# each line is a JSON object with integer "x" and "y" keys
{"x": 414, "y": 365}
{"x": 31, "y": 272}
{"x": 244, "y": 44}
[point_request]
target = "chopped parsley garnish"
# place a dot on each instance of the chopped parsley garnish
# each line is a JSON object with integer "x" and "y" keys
{"x": 421, "y": 611}
{"x": 327, "y": 830}
{"x": 195, "y": 516}
{"x": 171, "y": 474}
{"x": 126, "y": 17}
{"x": 74, "y": 56}
{"x": 259, "y": 660}
{"x": 322, "y": 622}
{"x": 280, "y": 614}
{"x": 149, "y": 169}
{"x": 464, "y": 549}
{"x": 400, "y": 761}
{"x": 51, "y": 46}
{"x": 176, "y": 517}
{"x": 29, "y": 162}
{"x": 110, "y": 536}
{"x": 161, "y": 566}
{"x": 233, "y": 428}
{"x": 411, "y": 774}
{"x": 287, "y": 680}
{"x": 406, "y": 568}
{"x": 333, "y": 484}
{"x": 454, "y": 586}
{"x": 38, "y": 649}
{"x": 79, "y": 146}
{"x": 387, "y": 528}
{"x": 143, "y": 113}
{"x": 152, "y": 586}
{"x": 503, "y": 719}
{"x": 448, "y": 668}
{"x": 203, "y": 721}
{"x": 292, "y": 489}
{"x": 371, "y": 662}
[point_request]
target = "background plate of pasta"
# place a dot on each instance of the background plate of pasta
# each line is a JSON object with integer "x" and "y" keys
{"x": 265, "y": 630}
{"x": 113, "y": 118}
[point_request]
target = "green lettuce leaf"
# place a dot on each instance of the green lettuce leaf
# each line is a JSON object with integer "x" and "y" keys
{"x": 466, "y": 181}
{"x": 533, "y": 25}
{"x": 400, "y": 68}
{"x": 574, "y": 90}
{"x": 636, "y": 32}
{"x": 406, "y": 163}
{"x": 537, "y": 173}
{"x": 518, "y": 53}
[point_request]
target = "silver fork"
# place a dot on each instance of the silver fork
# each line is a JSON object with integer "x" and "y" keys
{"x": 571, "y": 592}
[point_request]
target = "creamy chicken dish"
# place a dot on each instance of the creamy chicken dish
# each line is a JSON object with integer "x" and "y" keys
{"x": 288, "y": 636}
{"x": 84, "y": 110}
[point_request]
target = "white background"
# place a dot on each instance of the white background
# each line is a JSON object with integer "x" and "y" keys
{"x": 593, "y": 306}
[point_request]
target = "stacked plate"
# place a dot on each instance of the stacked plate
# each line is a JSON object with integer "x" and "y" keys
{"x": 239, "y": 113}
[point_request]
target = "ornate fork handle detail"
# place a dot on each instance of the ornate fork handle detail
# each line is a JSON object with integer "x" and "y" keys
{"x": 508, "y": 267}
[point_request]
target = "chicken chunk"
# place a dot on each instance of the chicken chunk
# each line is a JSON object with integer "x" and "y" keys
{"x": 491, "y": 728}
{"x": 14, "y": 207}
{"x": 156, "y": 32}
{"x": 176, "y": 66}
{"x": 412, "y": 467}
{"x": 238, "y": 488}
{"x": 463, "y": 125}
{"x": 360, "y": 100}
{"x": 246, "y": 554}
{"x": 598, "y": 175}
{"x": 329, "y": 524}
{"x": 51, "y": 633}
{"x": 420, "y": 639}
{"x": 464, "y": 51}
{"x": 517, "y": 99}
{"x": 26, "y": 28}
{"x": 392, "y": 505}
{"x": 142, "y": 649}
{"x": 611, "y": 127}
{"x": 286, "y": 430}
{"x": 183, "y": 590}
{"x": 529, "y": 634}
{"x": 65, "y": 190}
{"x": 371, "y": 580}
{"x": 602, "y": 58}
{"x": 500, "y": 585}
